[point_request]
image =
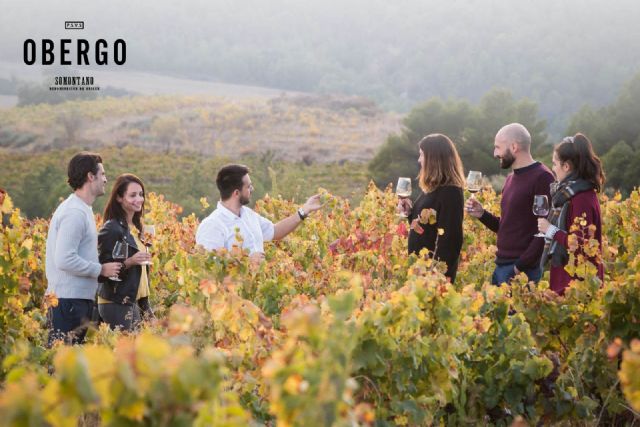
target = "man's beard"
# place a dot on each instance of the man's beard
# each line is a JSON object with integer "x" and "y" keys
{"x": 507, "y": 160}
{"x": 244, "y": 201}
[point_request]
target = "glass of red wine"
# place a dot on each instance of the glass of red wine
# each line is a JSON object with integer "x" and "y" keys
{"x": 120, "y": 252}
{"x": 540, "y": 208}
{"x": 474, "y": 182}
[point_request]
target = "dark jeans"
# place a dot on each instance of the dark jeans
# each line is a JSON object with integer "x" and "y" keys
{"x": 123, "y": 316}
{"x": 504, "y": 273}
{"x": 68, "y": 321}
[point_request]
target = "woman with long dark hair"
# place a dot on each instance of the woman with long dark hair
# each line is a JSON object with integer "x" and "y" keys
{"x": 122, "y": 303}
{"x": 441, "y": 180}
{"x": 579, "y": 177}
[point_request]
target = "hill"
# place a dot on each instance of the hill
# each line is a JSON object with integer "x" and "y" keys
{"x": 309, "y": 128}
{"x": 559, "y": 54}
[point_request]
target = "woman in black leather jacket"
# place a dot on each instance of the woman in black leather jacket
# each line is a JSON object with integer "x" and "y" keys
{"x": 123, "y": 304}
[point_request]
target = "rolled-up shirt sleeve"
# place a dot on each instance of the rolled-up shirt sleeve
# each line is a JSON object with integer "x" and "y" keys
{"x": 71, "y": 229}
{"x": 211, "y": 235}
{"x": 267, "y": 227}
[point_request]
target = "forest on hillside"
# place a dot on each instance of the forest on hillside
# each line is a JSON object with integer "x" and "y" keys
{"x": 561, "y": 55}
{"x": 614, "y": 130}
{"x": 34, "y": 161}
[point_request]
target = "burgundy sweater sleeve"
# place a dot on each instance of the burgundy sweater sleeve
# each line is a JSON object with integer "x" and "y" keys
{"x": 531, "y": 256}
{"x": 491, "y": 221}
{"x": 578, "y": 207}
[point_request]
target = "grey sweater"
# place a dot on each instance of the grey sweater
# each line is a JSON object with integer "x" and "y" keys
{"x": 72, "y": 251}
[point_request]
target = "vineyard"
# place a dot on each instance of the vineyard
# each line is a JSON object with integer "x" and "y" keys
{"x": 37, "y": 181}
{"x": 338, "y": 327}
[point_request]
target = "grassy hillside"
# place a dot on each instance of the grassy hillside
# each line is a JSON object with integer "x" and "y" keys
{"x": 176, "y": 145}
{"x": 302, "y": 128}
{"x": 37, "y": 181}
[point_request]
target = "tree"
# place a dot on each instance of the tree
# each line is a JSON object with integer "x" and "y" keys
{"x": 33, "y": 94}
{"x": 620, "y": 165}
{"x": 41, "y": 191}
{"x": 393, "y": 160}
{"x": 614, "y": 131}
{"x": 165, "y": 130}
{"x": 472, "y": 129}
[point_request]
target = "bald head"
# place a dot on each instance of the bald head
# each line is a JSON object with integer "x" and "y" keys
{"x": 515, "y": 133}
{"x": 513, "y": 146}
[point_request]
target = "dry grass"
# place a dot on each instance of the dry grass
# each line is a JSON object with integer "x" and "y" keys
{"x": 295, "y": 128}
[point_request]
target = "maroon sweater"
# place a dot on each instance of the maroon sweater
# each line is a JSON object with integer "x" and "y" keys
{"x": 585, "y": 203}
{"x": 517, "y": 223}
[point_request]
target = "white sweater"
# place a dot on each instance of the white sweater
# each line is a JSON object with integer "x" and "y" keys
{"x": 72, "y": 251}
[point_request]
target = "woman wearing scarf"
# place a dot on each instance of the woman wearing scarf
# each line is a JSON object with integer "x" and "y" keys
{"x": 580, "y": 176}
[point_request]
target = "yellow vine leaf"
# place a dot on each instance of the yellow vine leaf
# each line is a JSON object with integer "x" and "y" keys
{"x": 27, "y": 243}
{"x": 630, "y": 374}
{"x": 133, "y": 411}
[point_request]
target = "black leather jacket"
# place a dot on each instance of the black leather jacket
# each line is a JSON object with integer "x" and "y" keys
{"x": 123, "y": 292}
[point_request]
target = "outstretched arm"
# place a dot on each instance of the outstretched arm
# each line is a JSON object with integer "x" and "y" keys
{"x": 287, "y": 225}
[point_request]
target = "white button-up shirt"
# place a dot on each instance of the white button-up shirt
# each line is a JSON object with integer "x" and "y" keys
{"x": 218, "y": 230}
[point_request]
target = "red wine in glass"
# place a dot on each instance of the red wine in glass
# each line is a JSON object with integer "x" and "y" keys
{"x": 120, "y": 251}
{"x": 540, "y": 208}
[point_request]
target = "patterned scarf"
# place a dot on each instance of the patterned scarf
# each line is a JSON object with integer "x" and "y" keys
{"x": 569, "y": 187}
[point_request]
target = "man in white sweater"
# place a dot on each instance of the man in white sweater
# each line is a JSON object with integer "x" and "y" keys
{"x": 72, "y": 265}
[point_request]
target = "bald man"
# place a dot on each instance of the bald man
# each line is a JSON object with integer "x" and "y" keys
{"x": 518, "y": 249}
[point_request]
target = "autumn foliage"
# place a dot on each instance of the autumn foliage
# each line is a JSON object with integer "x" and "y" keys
{"x": 338, "y": 327}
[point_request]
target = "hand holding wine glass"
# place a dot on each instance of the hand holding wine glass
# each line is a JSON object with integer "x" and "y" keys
{"x": 474, "y": 208}
{"x": 474, "y": 182}
{"x": 110, "y": 269}
{"x": 540, "y": 208}
{"x": 403, "y": 191}
{"x": 119, "y": 253}
{"x": 148, "y": 233}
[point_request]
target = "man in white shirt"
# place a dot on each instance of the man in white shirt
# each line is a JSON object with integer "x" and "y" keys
{"x": 234, "y": 224}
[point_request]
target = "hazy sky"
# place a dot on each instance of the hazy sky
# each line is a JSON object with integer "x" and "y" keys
{"x": 262, "y": 22}
{"x": 559, "y": 53}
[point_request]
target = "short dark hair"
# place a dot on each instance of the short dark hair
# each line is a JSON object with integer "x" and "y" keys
{"x": 229, "y": 179}
{"x": 79, "y": 166}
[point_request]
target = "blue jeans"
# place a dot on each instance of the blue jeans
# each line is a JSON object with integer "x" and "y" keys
{"x": 504, "y": 273}
{"x": 69, "y": 320}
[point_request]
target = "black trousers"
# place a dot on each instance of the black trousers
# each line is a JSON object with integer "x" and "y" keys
{"x": 126, "y": 317}
{"x": 69, "y": 320}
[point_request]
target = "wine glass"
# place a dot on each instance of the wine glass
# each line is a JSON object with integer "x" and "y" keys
{"x": 120, "y": 253}
{"x": 403, "y": 187}
{"x": 474, "y": 182}
{"x": 148, "y": 233}
{"x": 403, "y": 190}
{"x": 540, "y": 208}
